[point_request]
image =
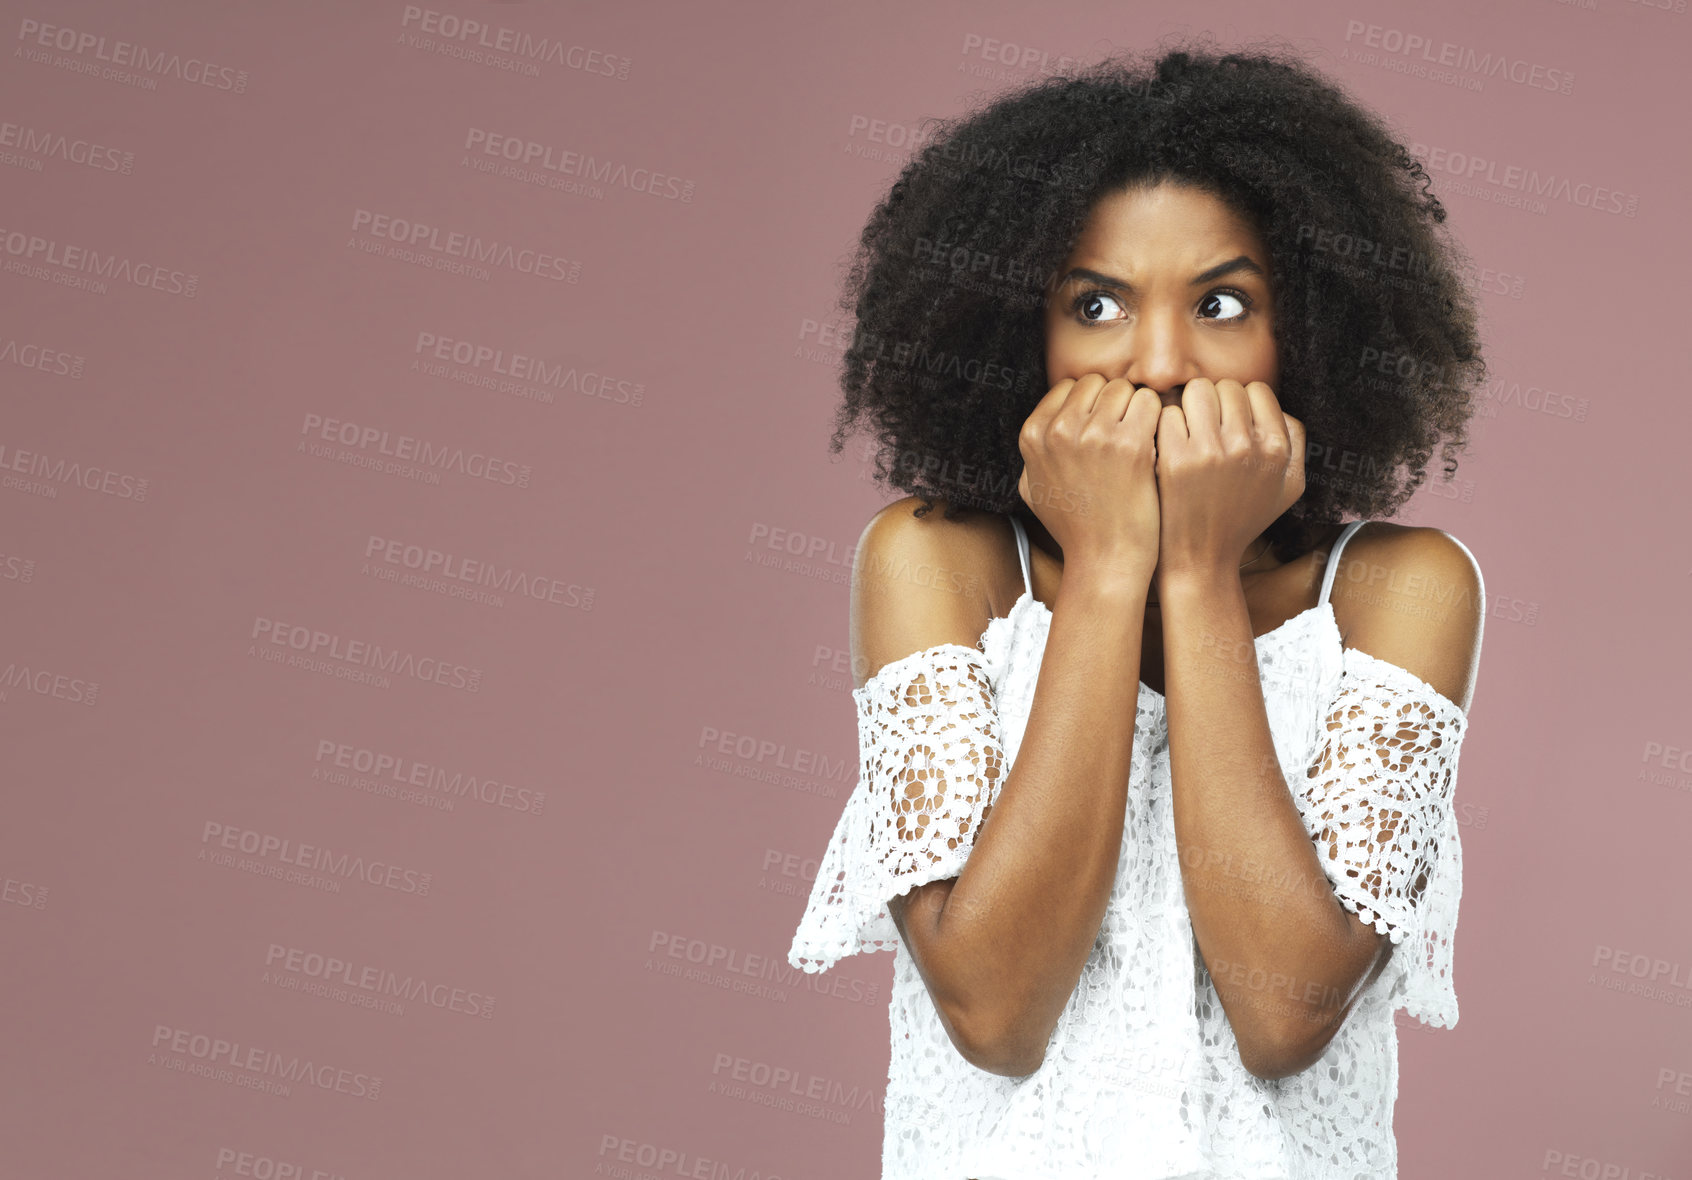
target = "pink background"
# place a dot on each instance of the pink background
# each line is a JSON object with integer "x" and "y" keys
{"x": 555, "y": 818}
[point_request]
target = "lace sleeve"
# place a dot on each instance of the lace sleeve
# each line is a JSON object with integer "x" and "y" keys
{"x": 1378, "y": 801}
{"x": 932, "y": 761}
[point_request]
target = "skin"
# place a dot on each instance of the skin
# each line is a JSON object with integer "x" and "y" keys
{"x": 1166, "y": 331}
{"x": 1208, "y": 350}
{"x": 1001, "y": 946}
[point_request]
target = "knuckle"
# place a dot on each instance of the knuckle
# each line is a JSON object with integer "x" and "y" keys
{"x": 1125, "y": 442}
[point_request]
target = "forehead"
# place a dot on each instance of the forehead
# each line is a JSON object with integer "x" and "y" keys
{"x": 1171, "y": 224}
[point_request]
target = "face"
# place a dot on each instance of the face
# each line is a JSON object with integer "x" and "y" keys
{"x": 1177, "y": 286}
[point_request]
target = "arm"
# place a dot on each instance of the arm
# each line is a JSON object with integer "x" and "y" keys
{"x": 1287, "y": 958}
{"x": 1001, "y": 946}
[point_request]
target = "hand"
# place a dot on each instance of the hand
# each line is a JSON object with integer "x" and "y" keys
{"x": 1230, "y": 461}
{"x": 1088, "y": 452}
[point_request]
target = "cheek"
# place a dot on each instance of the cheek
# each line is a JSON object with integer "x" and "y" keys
{"x": 1067, "y": 341}
{"x": 1064, "y": 348}
{"x": 1266, "y": 359}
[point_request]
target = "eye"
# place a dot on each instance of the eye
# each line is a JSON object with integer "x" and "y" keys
{"x": 1088, "y": 301}
{"x": 1218, "y": 301}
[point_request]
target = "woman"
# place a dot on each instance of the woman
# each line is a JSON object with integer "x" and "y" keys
{"x": 1159, "y": 755}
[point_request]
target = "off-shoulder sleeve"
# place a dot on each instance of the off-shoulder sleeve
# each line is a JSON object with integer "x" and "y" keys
{"x": 1379, "y": 802}
{"x": 931, "y": 764}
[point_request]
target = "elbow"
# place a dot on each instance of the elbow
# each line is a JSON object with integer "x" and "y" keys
{"x": 1271, "y": 1066}
{"x": 1281, "y": 1053}
{"x": 1000, "y": 1046}
{"x": 1006, "y": 1059}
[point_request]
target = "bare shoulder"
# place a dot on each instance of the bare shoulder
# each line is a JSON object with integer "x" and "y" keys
{"x": 920, "y": 581}
{"x": 1413, "y": 596}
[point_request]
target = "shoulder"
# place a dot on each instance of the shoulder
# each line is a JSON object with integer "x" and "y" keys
{"x": 975, "y": 548}
{"x": 1413, "y": 596}
{"x": 919, "y": 581}
{"x": 901, "y": 516}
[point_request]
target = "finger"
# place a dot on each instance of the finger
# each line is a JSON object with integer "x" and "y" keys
{"x": 1143, "y": 412}
{"x": 1267, "y": 421}
{"x": 1050, "y": 403}
{"x": 1114, "y": 399}
{"x": 1170, "y": 440}
{"x": 1044, "y": 410}
{"x": 1037, "y": 427}
{"x": 1297, "y": 447}
{"x": 1172, "y": 432}
{"x": 1201, "y": 409}
{"x": 1085, "y": 396}
{"x": 1234, "y": 407}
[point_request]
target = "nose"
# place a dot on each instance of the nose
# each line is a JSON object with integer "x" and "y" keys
{"x": 1159, "y": 355}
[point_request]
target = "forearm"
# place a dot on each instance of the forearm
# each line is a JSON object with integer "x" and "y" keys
{"x": 1263, "y": 913}
{"x": 1022, "y": 917}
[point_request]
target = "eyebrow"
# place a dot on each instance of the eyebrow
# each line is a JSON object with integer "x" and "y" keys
{"x": 1241, "y": 264}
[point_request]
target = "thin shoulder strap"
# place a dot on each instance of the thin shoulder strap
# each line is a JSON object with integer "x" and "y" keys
{"x": 1333, "y": 558}
{"x": 1022, "y": 553}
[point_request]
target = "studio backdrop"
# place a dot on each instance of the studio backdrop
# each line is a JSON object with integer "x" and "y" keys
{"x": 424, "y": 580}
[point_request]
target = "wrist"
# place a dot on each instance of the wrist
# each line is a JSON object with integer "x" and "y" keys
{"x": 1192, "y": 582}
{"x": 1124, "y": 584}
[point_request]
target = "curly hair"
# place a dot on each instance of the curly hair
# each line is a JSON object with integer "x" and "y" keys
{"x": 1375, "y": 325}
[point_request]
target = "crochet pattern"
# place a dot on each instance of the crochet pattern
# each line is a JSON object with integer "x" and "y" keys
{"x": 1142, "y": 1076}
{"x": 1378, "y": 802}
{"x": 932, "y": 762}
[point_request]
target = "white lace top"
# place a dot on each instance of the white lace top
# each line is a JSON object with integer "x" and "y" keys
{"x": 1142, "y": 1076}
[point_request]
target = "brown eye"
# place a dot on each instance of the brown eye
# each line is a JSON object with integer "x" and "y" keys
{"x": 1221, "y": 302}
{"x": 1088, "y": 302}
